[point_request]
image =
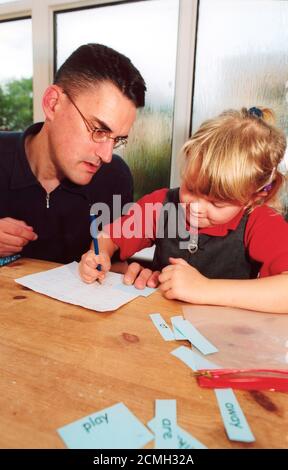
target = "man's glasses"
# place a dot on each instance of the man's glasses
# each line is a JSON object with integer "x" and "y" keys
{"x": 99, "y": 135}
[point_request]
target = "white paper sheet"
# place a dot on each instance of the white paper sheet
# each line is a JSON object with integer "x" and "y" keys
{"x": 64, "y": 284}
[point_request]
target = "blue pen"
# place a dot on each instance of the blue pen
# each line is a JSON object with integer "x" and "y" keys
{"x": 93, "y": 231}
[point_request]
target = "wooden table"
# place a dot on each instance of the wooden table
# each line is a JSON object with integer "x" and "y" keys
{"x": 60, "y": 362}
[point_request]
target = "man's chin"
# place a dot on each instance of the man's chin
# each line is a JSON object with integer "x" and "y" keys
{"x": 81, "y": 179}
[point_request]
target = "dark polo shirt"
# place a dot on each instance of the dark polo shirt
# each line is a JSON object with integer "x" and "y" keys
{"x": 63, "y": 228}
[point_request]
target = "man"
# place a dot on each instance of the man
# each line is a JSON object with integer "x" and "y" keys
{"x": 52, "y": 174}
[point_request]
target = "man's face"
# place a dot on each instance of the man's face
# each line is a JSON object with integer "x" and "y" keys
{"x": 73, "y": 152}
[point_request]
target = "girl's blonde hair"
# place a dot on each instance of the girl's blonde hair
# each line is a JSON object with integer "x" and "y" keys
{"x": 234, "y": 156}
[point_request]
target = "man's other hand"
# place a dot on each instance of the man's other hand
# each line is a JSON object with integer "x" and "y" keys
{"x": 14, "y": 235}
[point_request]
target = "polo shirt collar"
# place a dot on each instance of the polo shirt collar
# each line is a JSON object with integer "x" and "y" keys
{"x": 73, "y": 187}
{"x": 22, "y": 175}
{"x": 223, "y": 229}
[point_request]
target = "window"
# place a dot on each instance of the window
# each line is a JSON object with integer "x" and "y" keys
{"x": 146, "y": 32}
{"x": 241, "y": 58}
{"x": 16, "y": 76}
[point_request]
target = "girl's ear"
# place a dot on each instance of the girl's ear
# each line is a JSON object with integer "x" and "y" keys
{"x": 50, "y": 101}
{"x": 260, "y": 195}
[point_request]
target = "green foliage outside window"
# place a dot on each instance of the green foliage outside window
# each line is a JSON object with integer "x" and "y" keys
{"x": 16, "y": 104}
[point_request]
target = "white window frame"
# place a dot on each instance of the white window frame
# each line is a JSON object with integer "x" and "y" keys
{"x": 42, "y": 14}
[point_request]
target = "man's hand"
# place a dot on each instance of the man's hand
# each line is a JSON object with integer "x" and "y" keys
{"x": 14, "y": 235}
{"x": 140, "y": 277}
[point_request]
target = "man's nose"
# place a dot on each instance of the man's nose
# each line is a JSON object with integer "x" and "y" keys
{"x": 104, "y": 150}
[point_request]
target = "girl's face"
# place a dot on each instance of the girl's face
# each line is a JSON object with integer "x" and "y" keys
{"x": 203, "y": 213}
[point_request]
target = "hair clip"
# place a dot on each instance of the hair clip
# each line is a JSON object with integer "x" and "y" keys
{"x": 267, "y": 188}
{"x": 255, "y": 112}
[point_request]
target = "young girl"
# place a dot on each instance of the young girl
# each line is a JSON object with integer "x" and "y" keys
{"x": 237, "y": 251}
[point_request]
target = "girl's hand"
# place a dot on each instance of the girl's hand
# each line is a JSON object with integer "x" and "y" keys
{"x": 140, "y": 277}
{"x": 88, "y": 266}
{"x": 181, "y": 281}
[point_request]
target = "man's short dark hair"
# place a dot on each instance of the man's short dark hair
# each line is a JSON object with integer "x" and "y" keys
{"x": 91, "y": 64}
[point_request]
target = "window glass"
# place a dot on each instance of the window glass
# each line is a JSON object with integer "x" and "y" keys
{"x": 241, "y": 57}
{"x": 242, "y": 60}
{"x": 16, "y": 101}
{"x": 146, "y": 32}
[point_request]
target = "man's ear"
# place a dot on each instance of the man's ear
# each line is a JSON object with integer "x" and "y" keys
{"x": 50, "y": 101}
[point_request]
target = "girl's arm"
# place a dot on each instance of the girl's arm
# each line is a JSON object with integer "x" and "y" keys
{"x": 181, "y": 281}
{"x": 267, "y": 294}
{"x": 106, "y": 245}
{"x": 133, "y": 273}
